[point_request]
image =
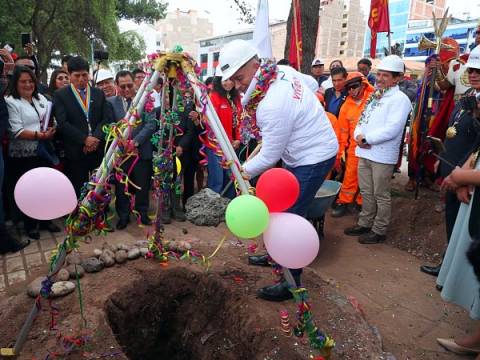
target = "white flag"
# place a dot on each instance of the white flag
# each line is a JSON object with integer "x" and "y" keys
{"x": 261, "y": 34}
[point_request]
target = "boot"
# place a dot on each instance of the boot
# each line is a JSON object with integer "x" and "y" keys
{"x": 177, "y": 211}
{"x": 8, "y": 243}
{"x": 340, "y": 210}
{"x": 277, "y": 292}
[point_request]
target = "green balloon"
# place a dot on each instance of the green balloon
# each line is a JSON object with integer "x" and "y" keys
{"x": 247, "y": 216}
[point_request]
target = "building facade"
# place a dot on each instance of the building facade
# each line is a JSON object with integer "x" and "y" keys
{"x": 462, "y": 31}
{"x": 401, "y": 12}
{"x": 208, "y": 49}
{"x": 341, "y": 29}
{"x": 182, "y": 28}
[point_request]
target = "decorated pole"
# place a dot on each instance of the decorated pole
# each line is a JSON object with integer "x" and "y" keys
{"x": 217, "y": 128}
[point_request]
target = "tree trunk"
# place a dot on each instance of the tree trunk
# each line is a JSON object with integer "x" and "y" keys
{"x": 310, "y": 10}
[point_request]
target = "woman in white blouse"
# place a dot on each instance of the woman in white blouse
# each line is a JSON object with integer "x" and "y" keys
{"x": 27, "y": 110}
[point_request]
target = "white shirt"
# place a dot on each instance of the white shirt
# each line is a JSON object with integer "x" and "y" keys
{"x": 458, "y": 77}
{"x": 382, "y": 126}
{"x": 293, "y": 125}
{"x": 23, "y": 116}
{"x": 326, "y": 84}
{"x": 157, "y": 98}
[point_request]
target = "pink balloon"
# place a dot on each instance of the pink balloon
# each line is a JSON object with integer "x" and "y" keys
{"x": 291, "y": 240}
{"x": 44, "y": 194}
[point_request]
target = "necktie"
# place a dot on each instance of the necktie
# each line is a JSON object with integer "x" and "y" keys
{"x": 83, "y": 94}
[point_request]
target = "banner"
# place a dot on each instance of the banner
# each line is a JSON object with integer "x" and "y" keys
{"x": 261, "y": 34}
{"x": 378, "y": 21}
{"x": 295, "y": 54}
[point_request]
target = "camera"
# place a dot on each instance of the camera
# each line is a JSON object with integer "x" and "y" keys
{"x": 99, "y": 55}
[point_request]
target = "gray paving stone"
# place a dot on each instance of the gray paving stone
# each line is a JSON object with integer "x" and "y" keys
{"x": 32, "y": 248}
{"x": 34, "y": 260}
{"x": 16, "y": 277}
{"x": 15, "y": 264}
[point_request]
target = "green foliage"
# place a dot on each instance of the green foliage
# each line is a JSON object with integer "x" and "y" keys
{"x": 131, "y": 47}
{"x": 141, "y": 10}
{"x": 68, "y": 26}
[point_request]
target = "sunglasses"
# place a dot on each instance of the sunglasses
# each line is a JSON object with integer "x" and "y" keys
{"x": 353, "y": 86}
{"x": 473, "y": 71}
{"x": 125, "y": 86}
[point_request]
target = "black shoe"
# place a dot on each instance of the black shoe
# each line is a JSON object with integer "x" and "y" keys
{"x": 17, "y": 246}
{"x": 431, "y": 270}
{"x": 50, "y": 226}
{"x": 33, "y": 234}
{"x": 439, "y": 287}
{"x": 122, "y": 224}
{"x": 371, "y": 238}
{"x": 277, "y": 292}
{"x": 356, "y": 230}
{"x": 258, "y": 260}
{"x": 145, "y": 220}
{"x": 340, "y": 210}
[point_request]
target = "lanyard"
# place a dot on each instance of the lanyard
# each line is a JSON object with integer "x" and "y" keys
{"x": 85, "y": 105}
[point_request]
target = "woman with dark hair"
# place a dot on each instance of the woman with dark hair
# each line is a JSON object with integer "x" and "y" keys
{"x": 58, "y": 80}
{"x": 226, "y": 101}
{"x": 27, "y": 111}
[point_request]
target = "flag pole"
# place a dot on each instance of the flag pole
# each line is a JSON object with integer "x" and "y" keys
{"x": 295, "y": 26}
{"x": 389, "y": 37}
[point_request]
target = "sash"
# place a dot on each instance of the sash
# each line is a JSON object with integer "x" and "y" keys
{"x": 84, "y": 105}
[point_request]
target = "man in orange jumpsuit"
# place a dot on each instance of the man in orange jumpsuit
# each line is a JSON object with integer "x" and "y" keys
{"x": 359, "y": 91}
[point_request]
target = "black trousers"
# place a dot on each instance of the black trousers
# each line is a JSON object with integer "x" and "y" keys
{"x": 189, "y": 168}
{"x": 141, "y": 176}
{"x": 79, "y": 171}
{"x": 452, "y": 205}
{"x": 16, "y": 168}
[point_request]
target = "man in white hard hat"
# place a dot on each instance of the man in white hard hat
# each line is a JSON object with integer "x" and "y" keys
{"x": 294, "y": 128}
{"x": 378, "y": 135}
{"x": 318, "y": 67}
{"x": 104, "y": 81}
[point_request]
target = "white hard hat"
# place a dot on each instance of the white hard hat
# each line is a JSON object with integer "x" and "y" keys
{"x": 317, "y": 62}
{"x": 102, "y": 74}
{"x": 218, "y": 71}
{"x": 234, "y": 55}
{"x": 474, "y": 58}
{"x": 392, "y": 63}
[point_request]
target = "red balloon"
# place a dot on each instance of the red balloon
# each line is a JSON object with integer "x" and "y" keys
{"x": 278, "y": 188}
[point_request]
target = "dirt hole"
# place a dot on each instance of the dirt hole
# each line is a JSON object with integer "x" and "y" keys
{"x": 179, "y": 314}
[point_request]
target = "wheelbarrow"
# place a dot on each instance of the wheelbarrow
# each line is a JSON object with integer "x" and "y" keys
{"x": 324, "y": 198}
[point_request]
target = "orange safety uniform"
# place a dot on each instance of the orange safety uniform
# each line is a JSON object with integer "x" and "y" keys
{"x": 348, "y": 117}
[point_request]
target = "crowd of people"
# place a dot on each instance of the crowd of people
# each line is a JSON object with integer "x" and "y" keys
{"x": 349, "y": 125}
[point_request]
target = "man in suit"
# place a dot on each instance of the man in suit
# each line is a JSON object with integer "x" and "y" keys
{"x": 81, "y": 112}
{"x": 140, "y": 141}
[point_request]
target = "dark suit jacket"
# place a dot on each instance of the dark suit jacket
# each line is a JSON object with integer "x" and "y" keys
{"x": 72, "y": 123}
{"x": 186, "y": 140}
{"x": 141, "y": 133}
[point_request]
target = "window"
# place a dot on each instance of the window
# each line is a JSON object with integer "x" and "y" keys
{"x": 216, "y": 55}
{"x": 342, "y": 52}
{"x": 342, "y": 43}
{"x": 203, "y": 58}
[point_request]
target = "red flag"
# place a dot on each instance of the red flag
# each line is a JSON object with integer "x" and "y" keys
{"x": 379, "y": 21}
{"x": 295, "y": 54}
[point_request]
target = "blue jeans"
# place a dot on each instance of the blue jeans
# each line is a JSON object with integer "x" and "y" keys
{"x": 218, "y": 177}
{"x": 311, "y": 178}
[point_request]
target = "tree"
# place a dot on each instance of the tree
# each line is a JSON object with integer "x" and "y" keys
{"x": 131, "y": 47}
{"x": 69, "y": 26}
{"x": 245, "y": 10}
{"x": 309, "y": 17}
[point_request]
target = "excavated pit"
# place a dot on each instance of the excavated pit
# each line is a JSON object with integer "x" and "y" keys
{"x": 179, "y": 314}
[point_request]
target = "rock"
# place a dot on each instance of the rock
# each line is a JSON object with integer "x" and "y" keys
{"x": 97, "y": 252}
{"x": 73, "y": 273}
{"x": 73, "y": 258}
{"x": 108, "y": 258}
{"x": 184, "y": 231}
{"x": 143, "y": 251}
{"x": 92, "y": 265}
{"x": 141, "y": 243}
{"x": 133, "y": 253}
{"x": 33, "y": 289}
{"x": 62, "y": 288}
{"x": 62, "y": 275}
{"x": 108, "y": 246}
{"x": 121, "y": 256}
{"x": 179, "y": 246}
{"x": 123, "y": 247}
{"x": 206, "y": 208}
